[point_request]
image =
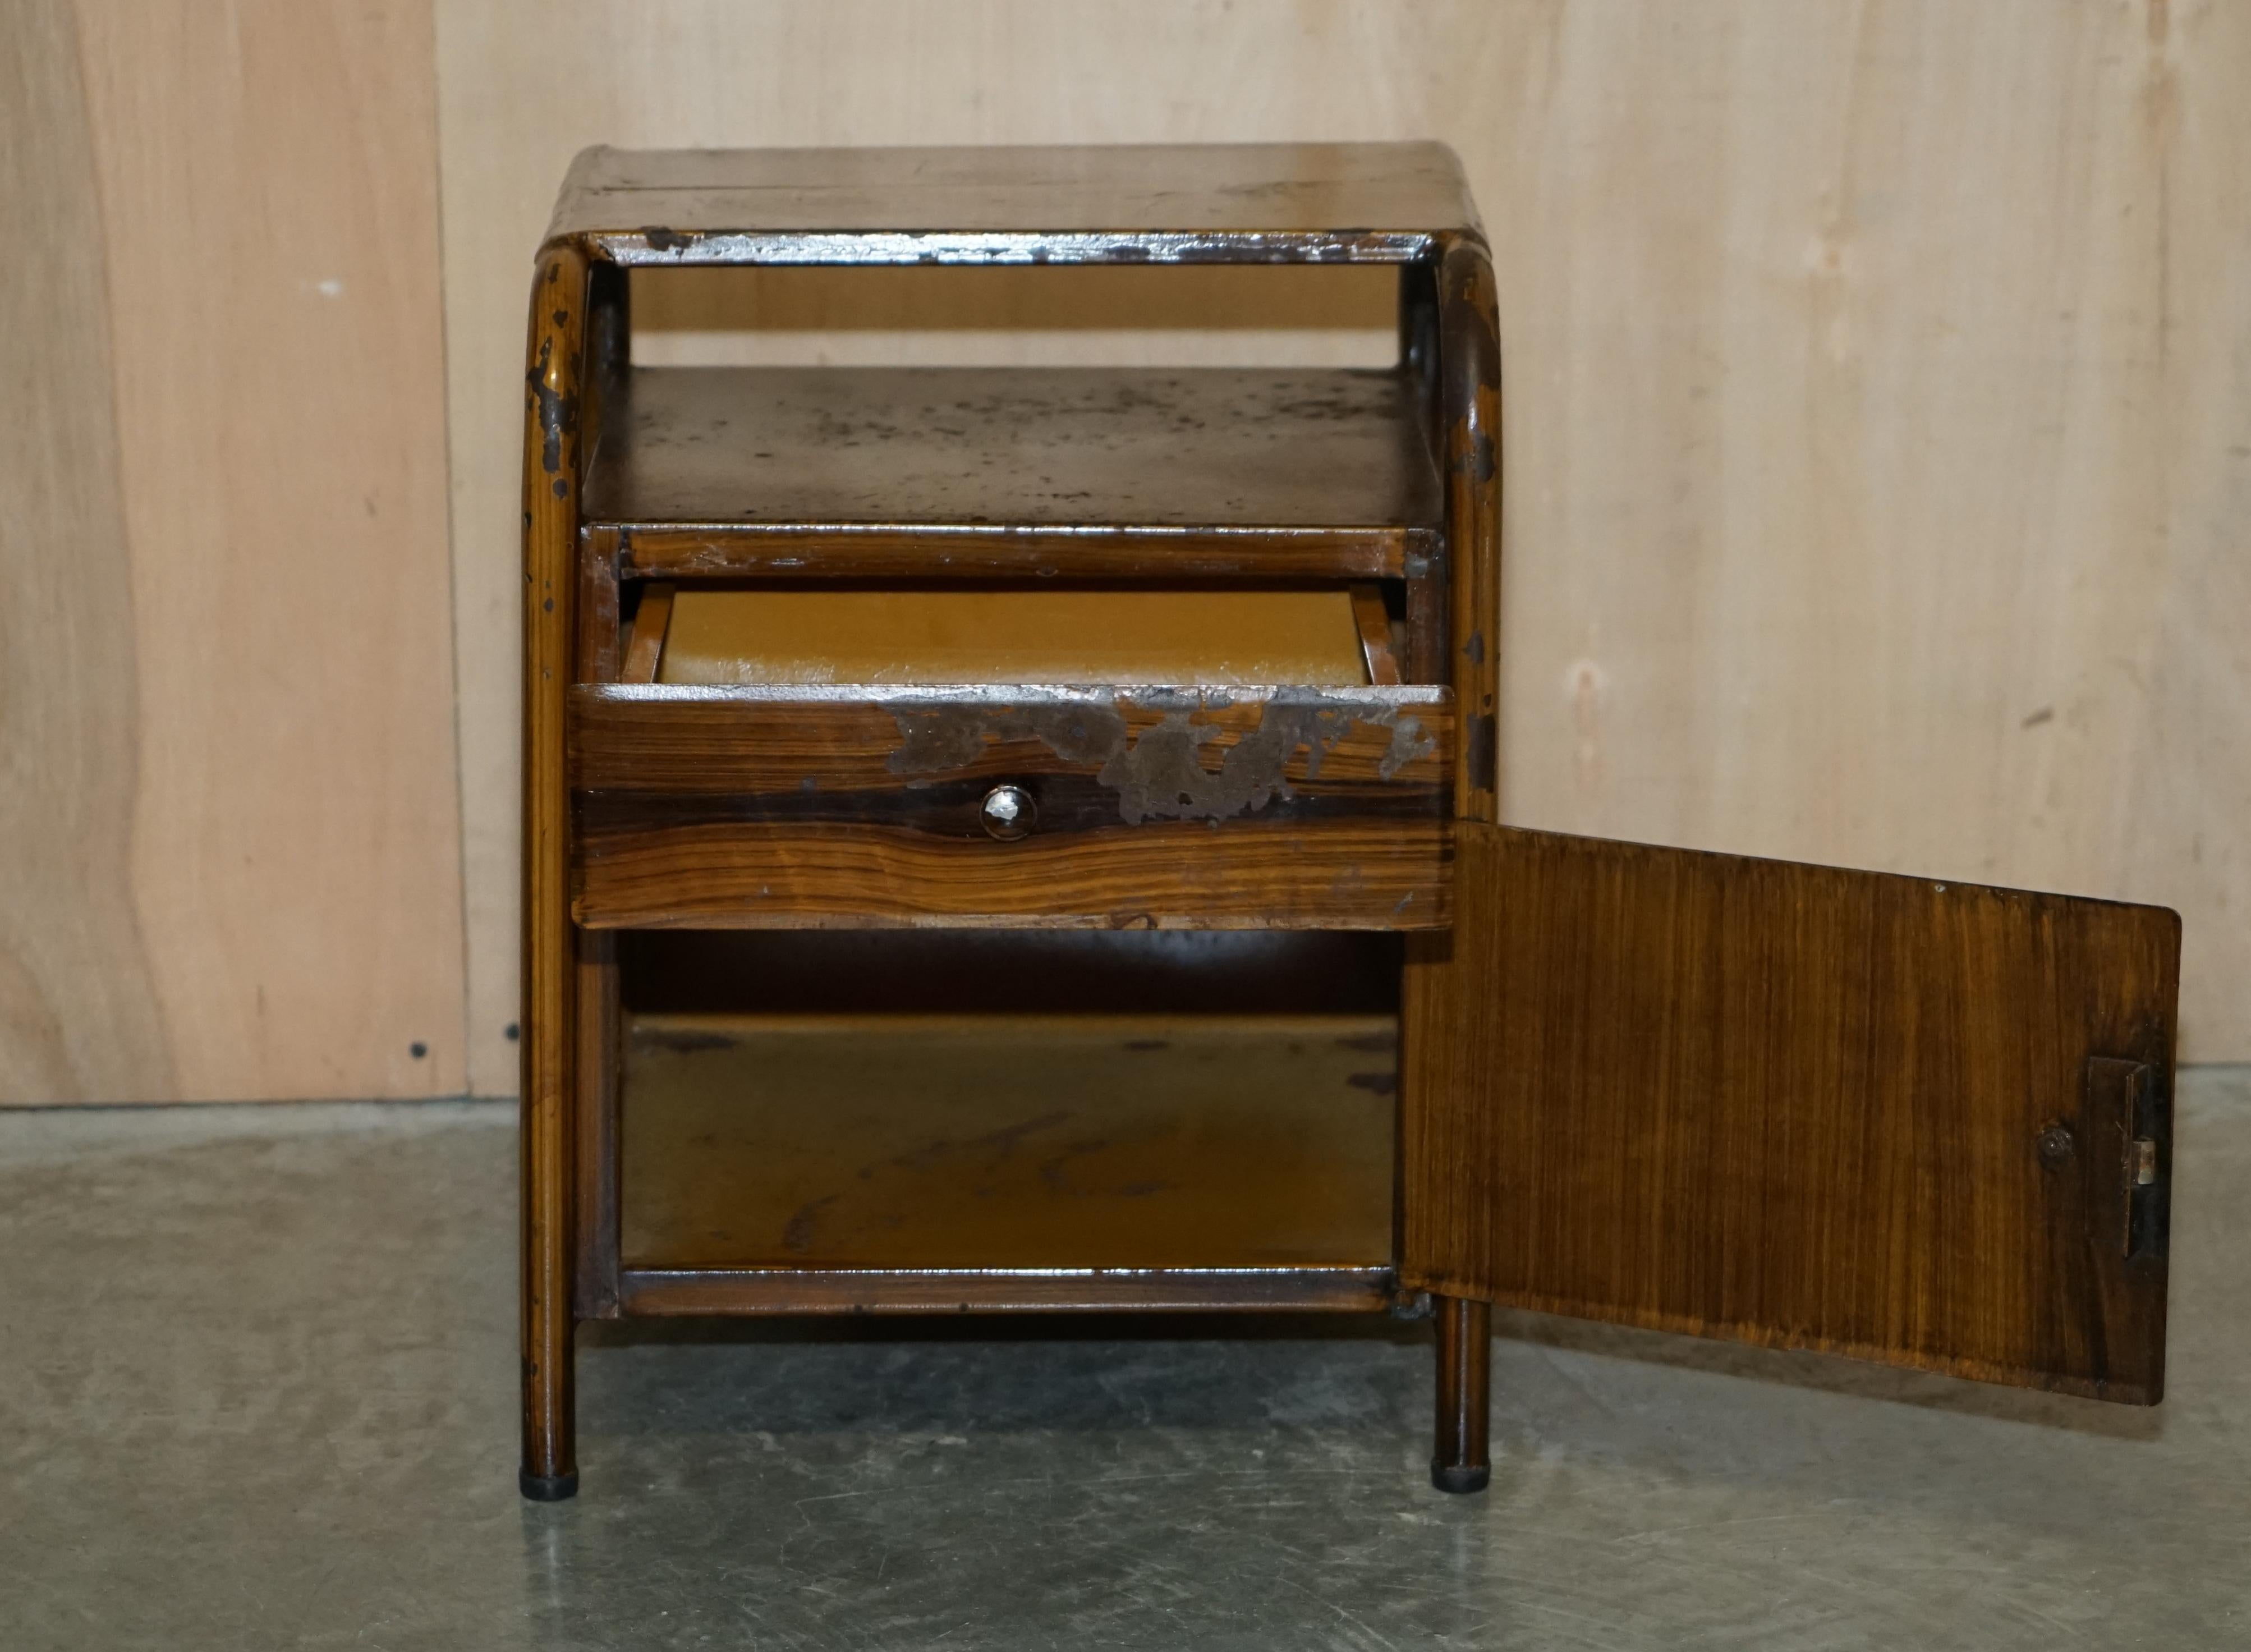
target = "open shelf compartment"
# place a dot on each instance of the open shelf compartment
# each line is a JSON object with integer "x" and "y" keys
{"x": 1087, "y": 471}
{"x": 1007, "y": 1141}
{"x": 1029, "y": 1120}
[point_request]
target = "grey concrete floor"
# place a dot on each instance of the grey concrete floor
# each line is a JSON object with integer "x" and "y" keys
{"x": 257, "y": 1386}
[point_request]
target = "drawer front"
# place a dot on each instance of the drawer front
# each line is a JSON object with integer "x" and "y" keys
{"x": 721, "y": 808}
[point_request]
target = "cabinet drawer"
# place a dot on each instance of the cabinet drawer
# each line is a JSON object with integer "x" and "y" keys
{"x": 1172, "y": 808}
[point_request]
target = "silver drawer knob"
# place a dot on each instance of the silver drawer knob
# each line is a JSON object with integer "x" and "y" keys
{"x": 1008, "y": 812}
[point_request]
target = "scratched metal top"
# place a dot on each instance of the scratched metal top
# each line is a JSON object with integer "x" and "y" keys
{"x": 1323, "y": 202}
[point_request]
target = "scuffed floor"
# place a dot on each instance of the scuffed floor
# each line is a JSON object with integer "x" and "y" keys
{"x": 257, "y": 1377}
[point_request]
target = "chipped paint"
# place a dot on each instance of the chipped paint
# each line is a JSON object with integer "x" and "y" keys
{"x": 1474, "y": 454}
{"x": 1408, "y": 743}
{"x": 557, "y": 411}
{"x": 1481, "y": 750}
{"x": 937, "y": 737}
{"x": 662, "y": 244}
{"x": 1160, "y": 774}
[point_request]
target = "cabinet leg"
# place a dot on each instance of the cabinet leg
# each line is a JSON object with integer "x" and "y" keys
{"x": 547, "y": 1437}
{"x": 1461, "y": 1462}
{"x": 550, "y": 1456}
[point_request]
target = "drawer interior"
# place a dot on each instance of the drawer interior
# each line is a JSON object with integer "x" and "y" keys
{"x": 1321, "y": 636}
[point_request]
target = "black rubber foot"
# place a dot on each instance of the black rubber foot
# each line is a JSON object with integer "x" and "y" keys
{"x": 546, "y": 1488}
{"x": 1458, "y": 1479}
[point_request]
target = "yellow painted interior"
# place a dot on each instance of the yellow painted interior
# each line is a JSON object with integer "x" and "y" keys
{"x": 1005, "y": 1141}
{"x": 1200, "y": 638}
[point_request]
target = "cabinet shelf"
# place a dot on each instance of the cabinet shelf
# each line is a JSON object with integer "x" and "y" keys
{"x": 1114, "y": 472}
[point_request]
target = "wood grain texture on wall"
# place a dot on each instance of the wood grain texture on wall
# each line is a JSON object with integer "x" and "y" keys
{"x": 1879, "y": 450}
{"x": 234, "y": 860}
{"x": 1878, "y": 384}
{"x": 78, "y": 1007}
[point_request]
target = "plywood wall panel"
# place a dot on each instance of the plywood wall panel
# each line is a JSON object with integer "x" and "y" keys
{"x": 2179, "y": 814}
{"x": 1846, "y": 518}
{"x": 78, "y": 1018}
{"x": 1877, "y": 408}
{"x": 248, "y": 667}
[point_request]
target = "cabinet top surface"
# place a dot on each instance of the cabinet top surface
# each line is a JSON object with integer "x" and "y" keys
{"x": 1376, "y": 203}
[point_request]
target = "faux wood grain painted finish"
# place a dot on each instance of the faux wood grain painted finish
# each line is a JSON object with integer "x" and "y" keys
{"x": 758, "y": 808}
{"x": 1469, "y": 399}
{"x": 1790, "y": 1105}
{"x": 552, "y": 985}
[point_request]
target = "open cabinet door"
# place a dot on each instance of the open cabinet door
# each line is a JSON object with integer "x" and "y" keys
{"x": 1914, "y": 1122}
